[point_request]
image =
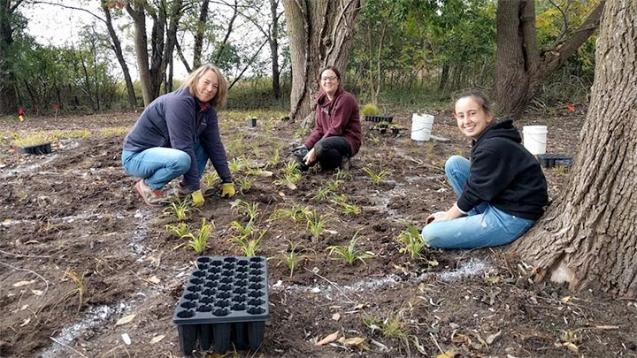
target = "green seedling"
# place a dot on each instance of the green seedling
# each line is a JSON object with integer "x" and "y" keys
{"x": 275, "y": 159}
{"x": 349, "y": 253}
{"x": 251, "y": 247}
{"x": 560, "y": 170}
{"x": 237, "y": 165}
{"x": 249, "y": 241}
{"x": 328, "y": 190}
{"x": 375, "y": 176}
{"x": 391, "y": 327}
{"x": 179, "y": 208}
{"x": 180, "y": 230}
{"x": 346, "y": 208}
{"x": 291, "y": 258}
{"x": 290, "y": 176}
{"x": 411, "y": 241}
{"x": 429, "y": 150}
{"x": 370, "y": 109}
{"x": 315, "y": 224}
{"x": 112, "y": 132}
{"x": 79, "y": 289}
{"x": 199, "y": 242}
{"x": 245, "y": 184}
{"x": 342, "y": 175}
{"x": 243, "y": 231}
{"x": 31, "y": 140}
{"x": 296, "y": 213}
{"x": 210, "y": 178}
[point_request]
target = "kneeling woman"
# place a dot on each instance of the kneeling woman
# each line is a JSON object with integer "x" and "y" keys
{"x": 176, "y": 135}
{"x": 336, "y": 136}
{"x": 500, "y": 193}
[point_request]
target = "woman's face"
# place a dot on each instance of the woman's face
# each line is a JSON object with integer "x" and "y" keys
{"x": 471, "y": 117}
{"x": 207, "y": 86}
{"x": 329, "y": 82}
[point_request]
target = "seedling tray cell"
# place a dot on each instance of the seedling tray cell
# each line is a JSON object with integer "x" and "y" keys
{"x": 44, "y": 148}
{"x": 377, "y": 119}
{"x": 224, "y": 304}
{"x": 555, "y": 160}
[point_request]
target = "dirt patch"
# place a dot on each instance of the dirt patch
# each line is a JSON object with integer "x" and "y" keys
{"x": 78, "y": 251}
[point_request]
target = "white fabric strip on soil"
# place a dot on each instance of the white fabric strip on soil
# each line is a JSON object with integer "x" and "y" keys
{"x": 28, "y": 169}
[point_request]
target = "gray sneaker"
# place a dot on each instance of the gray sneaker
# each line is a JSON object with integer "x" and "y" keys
{"x": 150, "y": 196}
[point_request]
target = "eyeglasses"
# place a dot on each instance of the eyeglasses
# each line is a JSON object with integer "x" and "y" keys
{"x": 329, "y": 78}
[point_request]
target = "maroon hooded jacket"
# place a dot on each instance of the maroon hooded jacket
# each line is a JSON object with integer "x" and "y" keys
{"x": 338, "y": 117}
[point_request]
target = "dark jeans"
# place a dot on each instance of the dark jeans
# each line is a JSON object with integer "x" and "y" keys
{"x": 331, "y": 151}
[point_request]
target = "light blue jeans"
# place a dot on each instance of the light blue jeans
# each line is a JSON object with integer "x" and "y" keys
{"x": 158, "y": 166}
{"x": 484, "y": 226}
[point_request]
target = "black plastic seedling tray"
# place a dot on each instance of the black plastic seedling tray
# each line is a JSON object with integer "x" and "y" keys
{"x": 555, "y": 160}
{"x": 224, "y": 303}
{"x": 44, "y": 148}
{"x": 377, "y": 119}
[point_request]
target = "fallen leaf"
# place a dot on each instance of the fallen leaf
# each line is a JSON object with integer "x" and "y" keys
{"x": 24, "y": 307}
{"x": 265, "y": 173}
{"x": 26, "y": 321}
{"x": 157, "y": 339}
{"x": 291, "y": 186}
{"x": 328, "y": 339}
{"x": 491, "y": 338}
{"x": 37, "y": 292}
{"x": 124, "y": 320}
{"x": 358, "y": 342}
{"x": 154, "y": 279}
{"x": 571, "y": 347}
{"x": 23, "y": 283}
{"x": 126, "y": 339}
{"x": 447, "y": 354}
{"x": 336, "y": 316}
{"x": 565, "y": 299}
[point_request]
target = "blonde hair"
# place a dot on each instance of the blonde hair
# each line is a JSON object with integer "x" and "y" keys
{"x": 219, "y": 100}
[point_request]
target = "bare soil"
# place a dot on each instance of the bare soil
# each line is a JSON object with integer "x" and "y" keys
{"x": 79, "y": 251}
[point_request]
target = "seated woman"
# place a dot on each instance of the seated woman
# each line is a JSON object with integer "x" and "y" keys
{"x": 336, "y": 136}
{"x": 176, "y": 135}
{"x": 500, "y": 193}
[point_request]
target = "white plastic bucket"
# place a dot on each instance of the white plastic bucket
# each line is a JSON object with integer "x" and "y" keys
{"x": 421, "y": 125}
{"x": 535, "y": 139}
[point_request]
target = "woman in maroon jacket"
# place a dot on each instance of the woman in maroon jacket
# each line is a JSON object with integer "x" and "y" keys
{"x": 336, "y": 137}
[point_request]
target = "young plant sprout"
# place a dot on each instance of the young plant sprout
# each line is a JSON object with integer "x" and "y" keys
{"x": 79, "y": 289}
{"x": 199, "y": 242}
{"x": 275, "y": 159}
{"x": 411, "y": 241}
{"x": 245, "y": 184}
{"x": 237, "y": 165}
{"x": 290, "y": 176}
{"x": 179, "y": 208}
{"x": 210, "y": 178}
{"x": 375, "y": 176}
{"x": 296, "y": 213}
{"x": 346, "y": 208}
{"x": 291, "y": 258}
{"x": 251, "y": 210}
{"x": 350, "y": 253}
{"x": 327, "y": 190}
{"x": 180, "y": 230}
{"x": 315, "y": 224}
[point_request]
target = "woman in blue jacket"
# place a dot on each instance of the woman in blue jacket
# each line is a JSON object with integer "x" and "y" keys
{"x": 176, "y": 135}
{"x": 500, "y": 193}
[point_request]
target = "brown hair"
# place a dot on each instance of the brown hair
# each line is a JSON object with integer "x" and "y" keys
{"x": 219, "y": 100}
{"x": 334, "y": 69}
{"x": 479, "y": 97}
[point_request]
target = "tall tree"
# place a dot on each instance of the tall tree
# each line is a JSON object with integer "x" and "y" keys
{"x": 320, "y": 33}
{"x": 587, "y": 238}
{"x": 520, "y": 67}
{"x": 8, "y": 24}
{"x": 199, "y": 34}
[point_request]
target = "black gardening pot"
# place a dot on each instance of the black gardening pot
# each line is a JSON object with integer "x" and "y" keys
{"x": 44, "y": 148}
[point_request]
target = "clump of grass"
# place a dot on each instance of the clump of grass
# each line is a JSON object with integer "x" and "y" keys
{"x": 350, "y": 254}
{"x": 237, "y": 165}
{"x": 327, "y": 190}
{"x": 560, "y": 170}
{"x": 112, "y": 132}
{"x": 199, "y": 242}
{"x": 346, "y": 208}
{"x": 296, "y": 213}
{"x": 275, "y": 159}
{"x": 391, "y": 327}
{"x": 180, "y": 230}
{"x": 210, "y": 178}
{"x": 376, "y": 176}
{"x": 244, "y": 184}
{"x": 179, "y": 209}
{"x": 291, "y": 257}
{"x": 290, "y": 175}
{"x": 315, "y": 224}
{"x": 411, "y": 241}
{"x": 250, "y": 210}
{"x": 31, "y": 139}
{"x": 370, "y": 109}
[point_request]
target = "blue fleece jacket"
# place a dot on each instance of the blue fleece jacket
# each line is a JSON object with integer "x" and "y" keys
{"x": 175, "y": 120}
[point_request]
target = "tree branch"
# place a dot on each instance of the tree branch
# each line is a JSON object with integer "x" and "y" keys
{"x": 72, "y": 8}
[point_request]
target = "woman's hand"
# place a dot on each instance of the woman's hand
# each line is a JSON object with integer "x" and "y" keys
{"x": 310, "y": 157}
{"x": 438, "y": 216}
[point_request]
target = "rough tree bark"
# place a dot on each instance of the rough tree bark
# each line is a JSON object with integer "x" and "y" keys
{"x": 199, "y": 34}
{"x": 520, "y": 68}
{"x": 587, "y": 238}
{"x": 320, "y": 34}
{"x": 273, "y": 40}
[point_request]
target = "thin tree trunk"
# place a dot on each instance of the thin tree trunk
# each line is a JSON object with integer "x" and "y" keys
{"x": 182, "y": 57}
{"x": 274, "y": 48}
{"x": 117, "y": 48}
{"x": 199, "y": 35}
{"x": 141, "y": 51}
{"x": 587, "y": 237}
{"x": 229, "y": 30}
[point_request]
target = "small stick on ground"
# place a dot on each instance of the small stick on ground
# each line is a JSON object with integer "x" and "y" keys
{"x": 68, "y": 347}
{"x": 29, "y": 271}
{"x": 333, "y": 284}
{"x": 21, "y": 255}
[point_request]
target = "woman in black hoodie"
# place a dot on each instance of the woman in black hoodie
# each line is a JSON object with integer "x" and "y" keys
{"x": 500, "y": 193}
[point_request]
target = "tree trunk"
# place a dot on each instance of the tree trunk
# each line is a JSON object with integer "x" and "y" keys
{"x": 274, "y": 48}
{"x": 117, "y": 48}
{"x": 8, "y": 96}
{"x": 587, "y": 238}
{"x": 320, "y": 34}
{"x": 141, "y": 51}
{"x": 520, "y": 70}
{"x": 199, "y": 34}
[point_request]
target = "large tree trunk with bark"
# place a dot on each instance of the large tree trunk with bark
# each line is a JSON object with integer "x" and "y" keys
{"x": 587, "y": 238}
{"x": 320, "y": 33}
{"x": 141, "y": 51}
{"x": 520, "y": 68}
{"x": 8, "y": 96}
{"x": 273, "y": 40}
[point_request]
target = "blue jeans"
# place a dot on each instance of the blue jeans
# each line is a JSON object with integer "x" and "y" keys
{"x": 484, "y": 226}
{"x": 158, "y": 166}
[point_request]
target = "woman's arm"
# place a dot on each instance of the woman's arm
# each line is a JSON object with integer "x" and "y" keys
{"x": 341, "y": 115}
{"x": 214, "y": 147}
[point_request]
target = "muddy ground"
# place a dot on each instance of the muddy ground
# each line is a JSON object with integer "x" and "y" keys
{"x": 79, "y": 251}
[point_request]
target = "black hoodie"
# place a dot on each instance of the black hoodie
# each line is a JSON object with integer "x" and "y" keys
{"x": 504, "y": 174}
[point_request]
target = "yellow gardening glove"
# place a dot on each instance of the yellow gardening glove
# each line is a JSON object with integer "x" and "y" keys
{"x": 228, "y": 190}
{"x": 197, "y": 198}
